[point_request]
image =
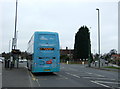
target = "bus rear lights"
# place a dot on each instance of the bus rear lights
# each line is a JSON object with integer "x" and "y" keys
{"x": 48, "y": 62}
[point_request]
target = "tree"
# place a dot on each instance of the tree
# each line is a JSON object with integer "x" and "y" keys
{"x": 64, "y": 58}
{"x": 6, "y": 55}
{"x": 112, "y": 52}
{"x": 82, "y": 47}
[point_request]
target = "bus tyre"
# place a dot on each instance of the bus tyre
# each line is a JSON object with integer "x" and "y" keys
{"x": 27, "y": 64}
{"x": 28, "y": 68}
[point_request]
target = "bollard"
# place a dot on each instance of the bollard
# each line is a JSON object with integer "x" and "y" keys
{"x": 11, "y": 65}
{"x": 5, "y": 63}
{"x": 8, "y": 63}
{"x": 107, "y": 64}
{"x": 67, "y": 62}
{"x": 102, "y": 64}
{"x": 95, "y": 64}
{"x": 83, "y": 63}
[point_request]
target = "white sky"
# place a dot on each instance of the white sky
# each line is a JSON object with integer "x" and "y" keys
{"x": 62, "y": 16}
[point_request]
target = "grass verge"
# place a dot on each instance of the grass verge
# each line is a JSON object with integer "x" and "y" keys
{"x": 112, "y": 67}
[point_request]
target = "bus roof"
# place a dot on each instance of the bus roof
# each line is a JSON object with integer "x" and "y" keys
{"x": 42, "y": 32}
{"x": 45, "y": 32}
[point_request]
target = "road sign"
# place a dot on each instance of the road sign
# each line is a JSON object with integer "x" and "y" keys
{"x": 15, "y": 51}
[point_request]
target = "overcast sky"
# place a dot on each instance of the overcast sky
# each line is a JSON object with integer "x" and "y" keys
{"x": 62, "y": 16}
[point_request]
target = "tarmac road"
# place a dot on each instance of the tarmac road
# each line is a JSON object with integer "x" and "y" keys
{"x": 73, "y": 75}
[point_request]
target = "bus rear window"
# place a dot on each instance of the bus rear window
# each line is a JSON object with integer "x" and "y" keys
{"x": 47, "y": 57}
{"x": 44, "y": 57}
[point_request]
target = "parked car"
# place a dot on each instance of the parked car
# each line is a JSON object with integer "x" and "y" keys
{"x": 106, "y": 62}
{"x": 96, "y": 61}
{"x": 1, "y": 60}
{"x": 22, "y": 60}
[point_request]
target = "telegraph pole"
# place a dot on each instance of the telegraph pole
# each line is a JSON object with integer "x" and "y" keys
{"x": 14, "y": 42}
{"x": 9, "y": 45}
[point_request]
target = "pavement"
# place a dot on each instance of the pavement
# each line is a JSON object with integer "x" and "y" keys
{"x": 102, "y": 67}
{"x": 16, "y": 77}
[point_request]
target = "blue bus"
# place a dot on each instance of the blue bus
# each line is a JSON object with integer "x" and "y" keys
{"x": 44, "y": 52}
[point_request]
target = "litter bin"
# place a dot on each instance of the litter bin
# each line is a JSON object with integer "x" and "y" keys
{"x": 7, "y": 62}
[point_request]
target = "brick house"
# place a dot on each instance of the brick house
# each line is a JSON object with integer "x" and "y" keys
{"x": 67, "y": 52}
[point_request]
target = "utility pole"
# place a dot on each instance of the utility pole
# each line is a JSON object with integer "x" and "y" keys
{"x": 98, "y": 35}
{"x": 9, "y": 45}
{"x": 14, "y": 42}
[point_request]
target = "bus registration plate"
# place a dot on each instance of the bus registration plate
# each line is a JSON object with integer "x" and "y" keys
{"x": 46, "y": 69}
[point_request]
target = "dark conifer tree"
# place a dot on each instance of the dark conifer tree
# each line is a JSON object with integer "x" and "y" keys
{"x": 82, "y": 43}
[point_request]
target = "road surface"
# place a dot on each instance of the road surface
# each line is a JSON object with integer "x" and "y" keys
{"x": 78, "y": 76}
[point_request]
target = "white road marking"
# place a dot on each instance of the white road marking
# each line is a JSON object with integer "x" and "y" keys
{"x": 26, "y": 67}
{"x": 72, "y": 75}
{"x": 99, "y": 78}
{"x": 99, "y": 84}
{"x": 73, "y": 69}
{"x": 30, "y": 79}
{"x": 34, "y": 78}
{"x": 67, "y": 73}
{"x": 108, "y": 82}
{"x": 62, "y": 67}
{"x": 95, "y": 74}
{"x": 61, "y": 76}
{"x": 99, "y": 75}
{"x": 89, "y": 73}
{"x": 38, "y": 82}
{"x": 76, "y": 76}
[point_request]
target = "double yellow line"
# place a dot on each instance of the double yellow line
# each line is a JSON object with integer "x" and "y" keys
{"x": 33, "y": 77}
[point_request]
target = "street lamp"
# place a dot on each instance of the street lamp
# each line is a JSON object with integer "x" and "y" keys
{"x": 9, "y": 45}
{"x": 14, "y": 43}
{"x": 14, "y": 40}
{"x": 98, "y": 34}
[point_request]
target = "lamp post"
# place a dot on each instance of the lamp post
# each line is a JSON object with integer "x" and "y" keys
{"x": 14, "y": 40}
{"x": 14, "y": 43}
{"x": 98, "y": 34}
{"x": 9, "y": 45}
